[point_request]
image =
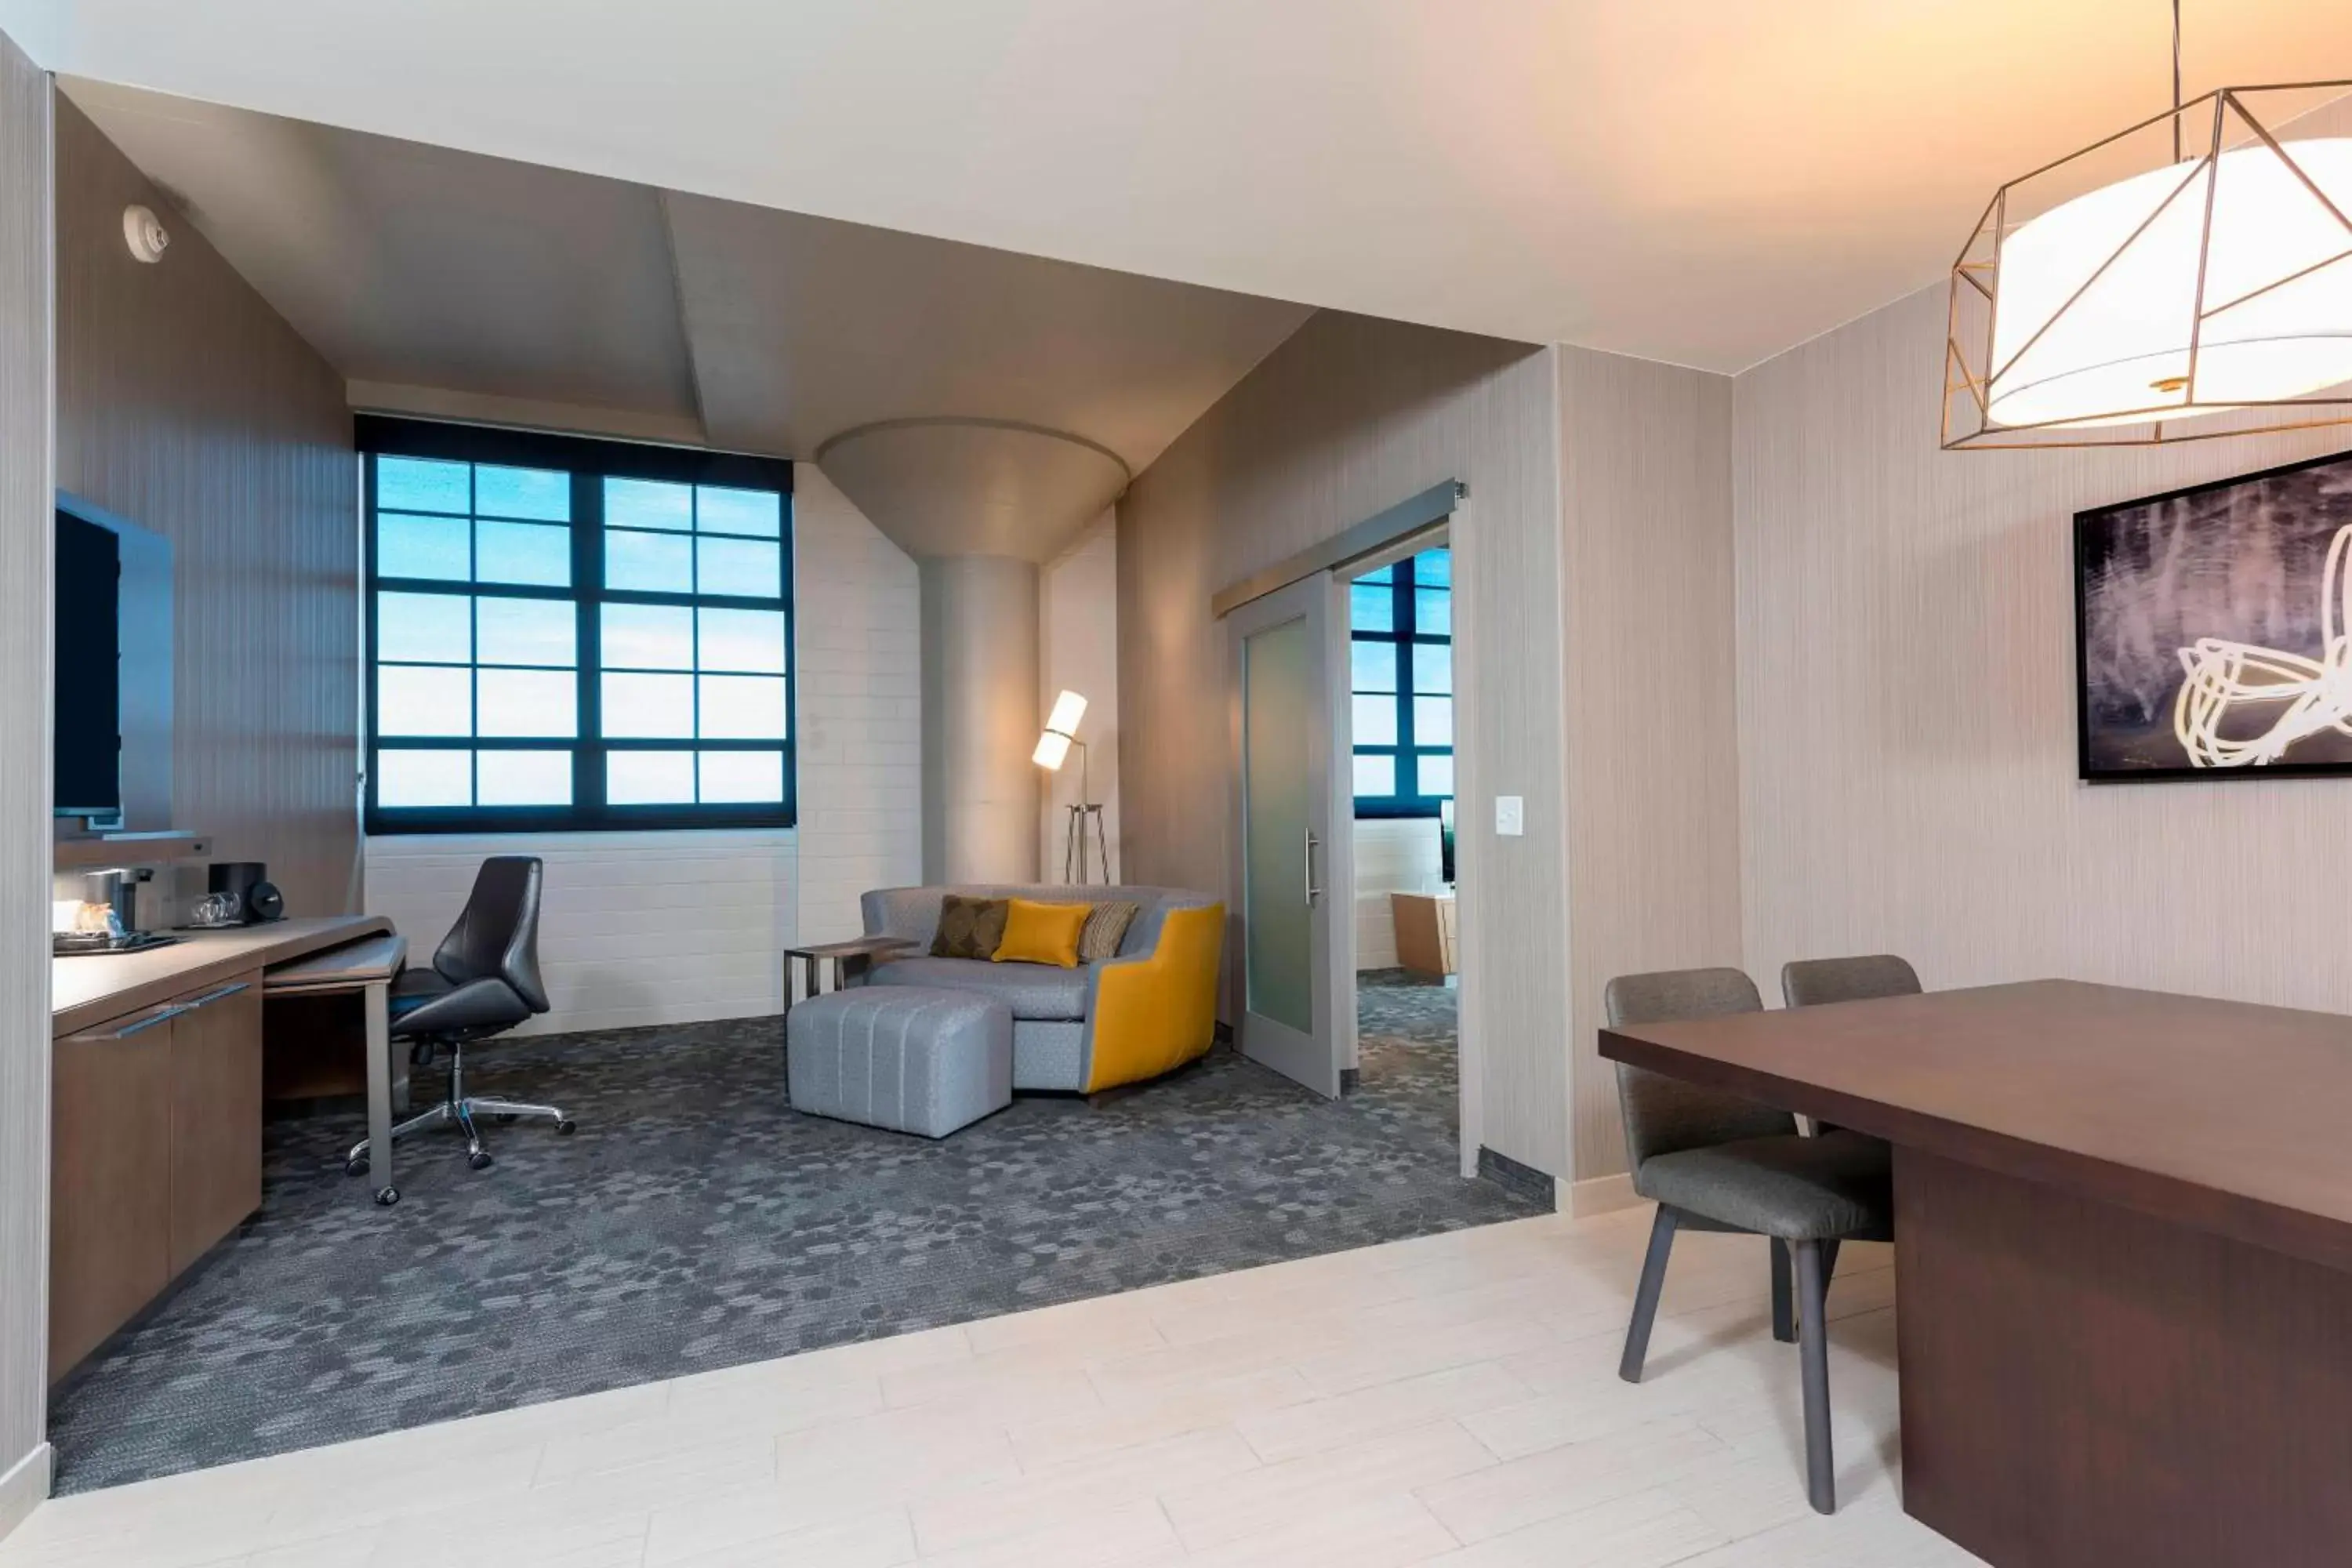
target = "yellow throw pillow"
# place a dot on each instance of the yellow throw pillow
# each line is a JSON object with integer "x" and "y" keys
{"x": 1042, "y": 933}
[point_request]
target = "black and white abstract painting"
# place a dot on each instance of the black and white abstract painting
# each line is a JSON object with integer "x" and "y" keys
{"x": 2215, "y": 628}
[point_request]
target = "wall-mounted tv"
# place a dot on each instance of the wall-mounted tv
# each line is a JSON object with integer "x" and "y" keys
{"x": 87, "y": 779}
{"x": 2213, "y": 629}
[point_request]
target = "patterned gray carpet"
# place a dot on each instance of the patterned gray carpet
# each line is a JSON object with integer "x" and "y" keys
{"x": 695, "y": 1222}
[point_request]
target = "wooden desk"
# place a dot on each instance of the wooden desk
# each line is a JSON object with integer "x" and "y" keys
{"x": 2124, "y": 1253}
{"x": 369, "y": 967}
{"x": 155, "y": 1114}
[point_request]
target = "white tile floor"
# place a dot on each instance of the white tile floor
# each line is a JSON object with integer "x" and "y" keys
{"x": 1451, "y": 1400}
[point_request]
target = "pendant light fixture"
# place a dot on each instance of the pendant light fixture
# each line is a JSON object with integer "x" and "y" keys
{"x": 2187, "y": 278}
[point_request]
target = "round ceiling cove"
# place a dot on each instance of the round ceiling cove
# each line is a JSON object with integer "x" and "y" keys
{"x": 974, "y": 486}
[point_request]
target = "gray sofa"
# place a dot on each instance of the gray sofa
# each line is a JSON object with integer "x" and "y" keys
{"x": 1054, "y": 1012}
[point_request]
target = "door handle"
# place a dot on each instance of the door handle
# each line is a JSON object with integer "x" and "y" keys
{"x": 1313, "y": 843}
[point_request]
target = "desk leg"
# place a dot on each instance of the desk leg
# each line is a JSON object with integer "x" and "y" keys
{"x": 379, "y": 1092}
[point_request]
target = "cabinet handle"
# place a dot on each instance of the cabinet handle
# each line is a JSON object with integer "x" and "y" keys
{"x": 1313, "y": 843}
{"x": 161, "y": 1015}
{"x": 209, "y": 997}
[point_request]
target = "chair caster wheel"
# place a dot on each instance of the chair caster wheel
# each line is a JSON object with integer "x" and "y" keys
{"x": 480, "y": 1159}
{"x": 387, "y": 1196}
{"x": 565, "y": 1128}
{"x": 356, "y": 1165}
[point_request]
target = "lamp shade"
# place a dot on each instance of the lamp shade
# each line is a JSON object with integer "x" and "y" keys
{"x": 1053, "y": 751}
{"x": 1068, "y": 709}
{"x": 2209, "y": 294}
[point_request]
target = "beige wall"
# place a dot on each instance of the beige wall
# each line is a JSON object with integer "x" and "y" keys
{"x": 1348, "y": 417}
{"x": 1652, "y": 742}
{"x": 1077, "y": 650}
{"x": 1907, "y": 708}
{"x": 188, "y": 406}
{"x": 25, "y": 566}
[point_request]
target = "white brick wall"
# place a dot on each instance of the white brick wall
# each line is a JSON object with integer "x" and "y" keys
{"x": 860, "y": 708}
{"x": 656, "y": 928}
{"x": 634, "y": 928}
{"x": 1393, "y": 855}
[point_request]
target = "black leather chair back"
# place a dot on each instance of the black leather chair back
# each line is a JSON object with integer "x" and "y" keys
{"x": 497, "y": 935}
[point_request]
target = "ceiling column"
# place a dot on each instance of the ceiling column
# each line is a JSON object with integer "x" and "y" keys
{"x": 980, "y": 718}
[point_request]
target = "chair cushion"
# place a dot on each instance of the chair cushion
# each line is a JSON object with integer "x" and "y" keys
{"x": 969, "y": 928}
{"x": 425, "y": 1002}
{"x": 1031, "y": 990}
{"x": 1105, "y": 929}
{"x": 1798, "y": 1189}
{"x": 1042, "y": 933}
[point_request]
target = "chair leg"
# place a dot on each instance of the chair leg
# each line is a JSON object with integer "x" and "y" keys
{"x": 1784, "y": 1313}
{"x": 1814, "y": 1339}
{"x": 1645, "y": 1298}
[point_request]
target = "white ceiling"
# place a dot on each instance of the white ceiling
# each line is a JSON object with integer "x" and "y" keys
{"x": 451, "y": 283}
{"x": 1690, "y": 180}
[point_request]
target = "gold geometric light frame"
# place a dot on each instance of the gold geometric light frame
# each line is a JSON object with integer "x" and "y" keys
{"x": 2225, "y": 121}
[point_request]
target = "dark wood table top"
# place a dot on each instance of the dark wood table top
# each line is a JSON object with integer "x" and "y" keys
{"x": 2233, "y": 1117}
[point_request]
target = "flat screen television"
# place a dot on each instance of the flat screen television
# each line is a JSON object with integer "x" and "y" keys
{"x": 87, "y": 771}
{"x": 2212, "y": 629}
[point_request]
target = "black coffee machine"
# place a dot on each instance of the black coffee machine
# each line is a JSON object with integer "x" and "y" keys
{"x": 239, "y": 892}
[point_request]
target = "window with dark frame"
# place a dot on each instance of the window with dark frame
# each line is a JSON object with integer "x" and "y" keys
{"x": 1401, "y": 627}
{"x": 568, "y": 634}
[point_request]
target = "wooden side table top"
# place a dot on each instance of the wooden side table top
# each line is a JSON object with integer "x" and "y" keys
{"x": 855, "y": 947}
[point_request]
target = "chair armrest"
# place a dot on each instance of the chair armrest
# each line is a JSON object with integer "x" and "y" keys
{"x": 1152, "y": 1012}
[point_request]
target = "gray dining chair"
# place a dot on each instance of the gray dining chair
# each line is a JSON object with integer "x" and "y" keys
{"x": 1812, "y": 981}
{"x": 1816, "y": 981}
{"x": 1714, "y": 1161}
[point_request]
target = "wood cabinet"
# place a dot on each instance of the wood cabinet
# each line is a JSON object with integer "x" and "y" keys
{"x": 155, "y": 1125}
{"x": 1424, "y": 932}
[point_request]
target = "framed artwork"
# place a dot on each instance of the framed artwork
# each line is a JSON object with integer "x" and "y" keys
{"x": 2213, "y": 629}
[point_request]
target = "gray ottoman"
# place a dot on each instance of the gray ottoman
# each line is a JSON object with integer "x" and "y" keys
{"x": 906, "y": 1057}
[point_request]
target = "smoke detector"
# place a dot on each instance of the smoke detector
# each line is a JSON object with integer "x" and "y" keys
{"x": 145, "y": 234}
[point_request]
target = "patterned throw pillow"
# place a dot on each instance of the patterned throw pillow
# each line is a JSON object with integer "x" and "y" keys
{"x": 1105, "y": 929}
{"x": 969, "y": 928}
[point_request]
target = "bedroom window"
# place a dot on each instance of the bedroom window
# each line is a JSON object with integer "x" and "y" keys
{"x": 569, "y": 635}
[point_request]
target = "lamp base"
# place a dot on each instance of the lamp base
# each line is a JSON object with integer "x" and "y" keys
{"x": 1075, "y": 869}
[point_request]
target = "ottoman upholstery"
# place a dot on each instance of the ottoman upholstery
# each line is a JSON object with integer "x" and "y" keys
{"x": 902, "y": 1057}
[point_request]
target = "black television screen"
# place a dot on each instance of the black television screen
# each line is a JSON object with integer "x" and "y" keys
{"x": 88, "y": 690}
{"x": 2212, "y": 635}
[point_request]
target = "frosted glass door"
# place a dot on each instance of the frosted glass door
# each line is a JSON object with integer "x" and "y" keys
{"x": 1276, "y": 792}
{"x": 1280, "y": 660}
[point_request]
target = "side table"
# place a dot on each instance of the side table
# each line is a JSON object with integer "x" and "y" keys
{"x": 849, "y": 960}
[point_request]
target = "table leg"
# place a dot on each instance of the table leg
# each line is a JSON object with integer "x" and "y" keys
{"x": 2084, "y": 1383}
{"x": 379, "y": 1092}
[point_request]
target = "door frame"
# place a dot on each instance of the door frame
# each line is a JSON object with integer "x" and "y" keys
{"x": 1444, "y": 506}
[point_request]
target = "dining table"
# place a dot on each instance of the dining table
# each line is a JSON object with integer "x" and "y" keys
{"x": 2123, "y": 1246}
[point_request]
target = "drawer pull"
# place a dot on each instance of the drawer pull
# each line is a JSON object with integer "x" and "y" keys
{"x": 209, "y": 997}
{"x": 161, "y": 1015}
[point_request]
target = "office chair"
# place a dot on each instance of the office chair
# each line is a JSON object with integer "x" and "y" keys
{"x": 483, "y": 981}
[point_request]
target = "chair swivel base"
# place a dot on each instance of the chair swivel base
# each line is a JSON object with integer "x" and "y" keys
{"x": 460, "y": 1109}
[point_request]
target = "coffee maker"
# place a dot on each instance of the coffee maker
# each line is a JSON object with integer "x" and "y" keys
{"x": 239, "y": 892}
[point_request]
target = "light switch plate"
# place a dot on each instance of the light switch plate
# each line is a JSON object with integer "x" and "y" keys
{"x": 1511, "y": 815}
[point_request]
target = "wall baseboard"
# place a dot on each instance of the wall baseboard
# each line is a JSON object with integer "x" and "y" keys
{"x": 1522, "y": 1178}
{"x": 25, "y": 1487}
{"x": 1603, "y": 1194}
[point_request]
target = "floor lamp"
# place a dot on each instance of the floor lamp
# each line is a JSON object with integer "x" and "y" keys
{"x": 1053, "y": 751}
